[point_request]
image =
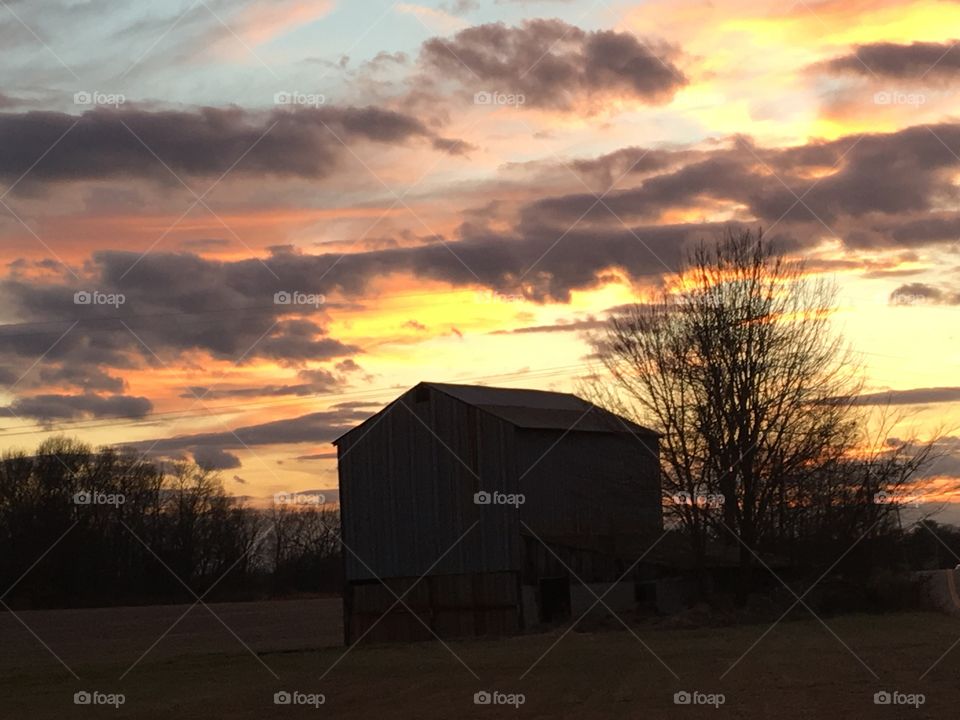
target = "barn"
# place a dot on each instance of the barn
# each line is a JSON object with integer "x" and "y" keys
{"x": 470, "y": 510}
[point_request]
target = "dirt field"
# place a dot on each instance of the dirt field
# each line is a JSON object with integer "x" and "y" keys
{"x": 200, "y": 670}
{"x": 117, "y": 635}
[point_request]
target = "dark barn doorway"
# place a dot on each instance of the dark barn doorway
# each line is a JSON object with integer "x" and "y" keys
{"x": 554, "y": 599}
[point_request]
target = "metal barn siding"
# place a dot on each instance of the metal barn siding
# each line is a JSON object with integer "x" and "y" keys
{"x": 408, "y": 476}
{"x": 407, "y": 491}
{"x": 589, "y": 483}
{"x": 407, "y": 482}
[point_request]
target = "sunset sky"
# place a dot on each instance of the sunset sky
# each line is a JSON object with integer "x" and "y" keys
{"x": 454, "y": 191}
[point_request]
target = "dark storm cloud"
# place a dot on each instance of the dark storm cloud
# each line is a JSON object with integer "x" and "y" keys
{"x": 553, "y": 64}
{"x": 557, "y": 327}
{"x": 930, "y": 228}
{"x": 104, "y": 143}
{"x": 876, "y": 191}
{"x": 348, "y": 366}
{"x": 534, "y": 261}
{"x": 914, "y": 396}
{"x": 67, "y": 407}
{"x": 318, "y": 456}
{"x": 292, "y": 341}
{"x": 176, "y": 304}
{"x": 894, "y": 173}
{"x": 922, "y": 293}
{"x": 214, "y": 458}
{"x": 315, "y": 382}
{"x": 905, "y": 62}
{"x": 902, "y": 176}
{"x": 318, "y": 427}
{"x": 722, "y": 176}
{"x": 619, "y": 165}
{"x": 87, "y": 378}
{"x": 453, "y": 147}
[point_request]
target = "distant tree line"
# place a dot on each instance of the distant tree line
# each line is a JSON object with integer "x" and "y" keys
{"x": 84, "y": 527}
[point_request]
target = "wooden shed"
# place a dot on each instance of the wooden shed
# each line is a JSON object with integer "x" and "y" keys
{"x": 486, "y": 509}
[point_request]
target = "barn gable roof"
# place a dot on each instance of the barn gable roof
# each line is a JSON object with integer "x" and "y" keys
{"x": 533, "y": 409}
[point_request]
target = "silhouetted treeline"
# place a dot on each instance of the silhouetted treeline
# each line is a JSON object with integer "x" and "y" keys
{"x": 80, "y": 527}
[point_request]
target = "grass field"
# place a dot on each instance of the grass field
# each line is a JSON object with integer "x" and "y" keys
{"x": 200, "y": 670}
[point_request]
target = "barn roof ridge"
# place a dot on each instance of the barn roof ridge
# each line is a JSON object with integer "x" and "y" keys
{"x": 563, "y": 411}
{"x": 528, "y": 408}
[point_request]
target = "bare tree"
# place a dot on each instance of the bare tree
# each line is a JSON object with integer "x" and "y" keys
{"x": 305, "y": 543}
{"x": 737, "y": 365}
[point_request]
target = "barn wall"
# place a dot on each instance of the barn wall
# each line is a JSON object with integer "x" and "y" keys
{"x": 590, "y": 484}
{"x": 437, "y": 605}
{"x": 407, "y": 496}
{"x": 617, "y": 597}
{"x": 553, "y": 560}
